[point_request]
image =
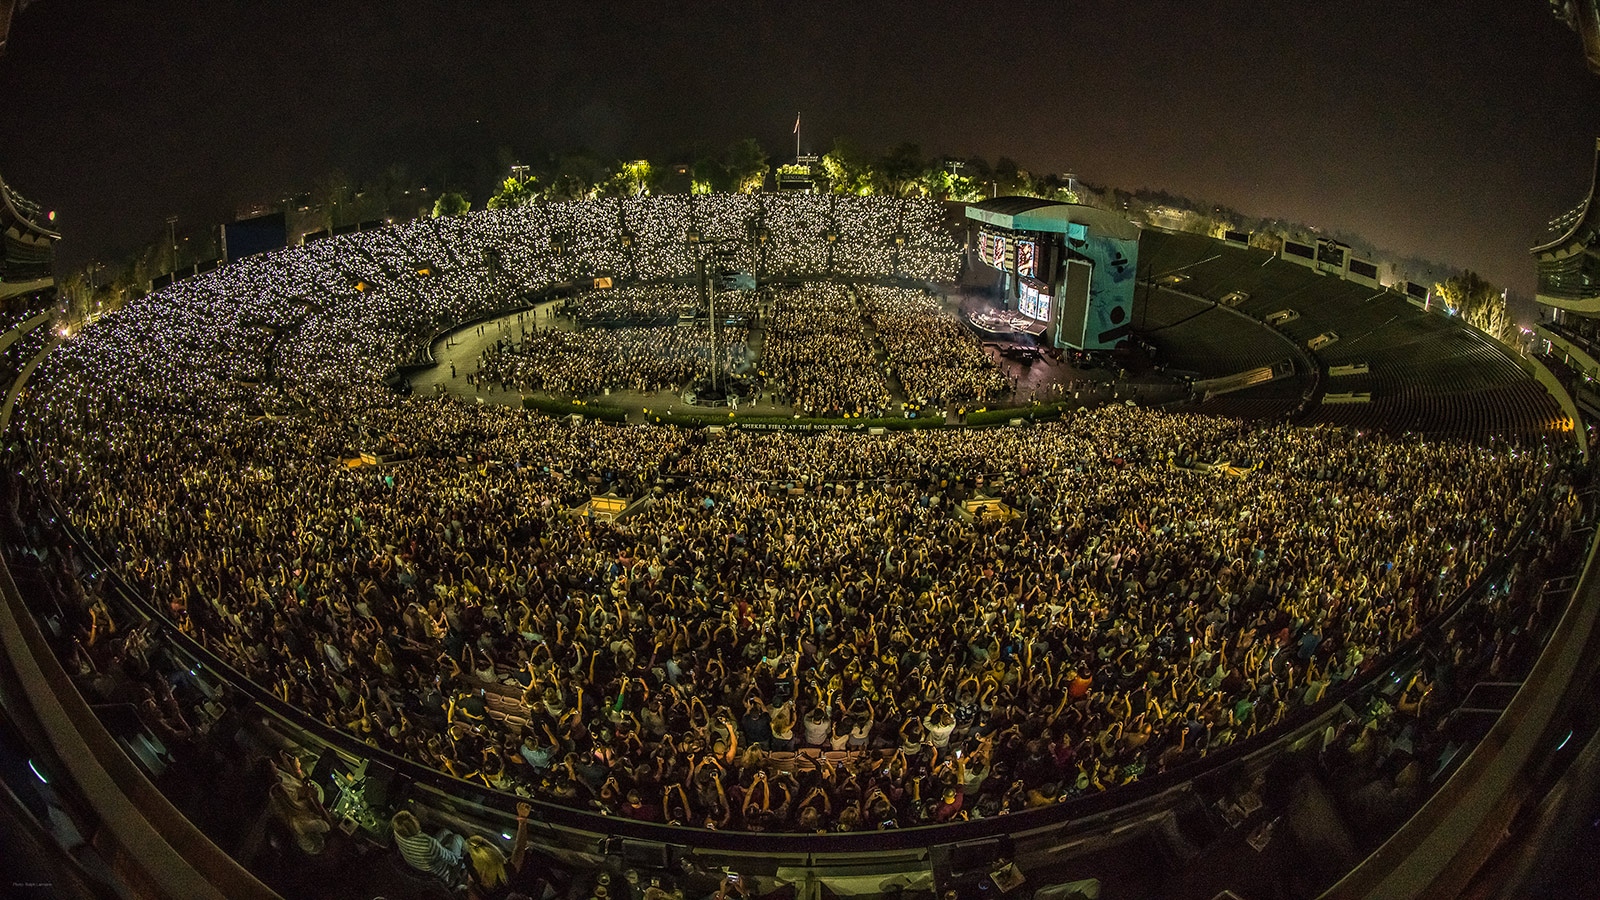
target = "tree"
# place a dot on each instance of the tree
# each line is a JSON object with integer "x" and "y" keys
{"x": 632, "y": 179}
{"x": 940, "y": 183}
{"x": 394, "y": 187}
{"x": 332, "y": 195}
{"x": 901, "y": 171}
{"x": 514, "y": 192}
{"x": 707, "y": 174}
{"x": 1263, "y": 239}
{"x": 451, "y": 203}
{"x": 746, "y": 165}
{"x": 1009, "y": 179}
{"x": 1055, "y": 187}
{"x": 964, "y": 189}
{"x": 845, "y": 170}
{"x": 575, "y": 176}
{"x": 1477, "y": 301}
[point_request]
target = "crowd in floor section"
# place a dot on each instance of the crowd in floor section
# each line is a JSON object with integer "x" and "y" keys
{"x": 1121, "y": 614}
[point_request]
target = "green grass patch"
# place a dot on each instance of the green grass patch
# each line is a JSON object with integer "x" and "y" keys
{"x": 553, "y": 407}
{"x": 707, "y": 417}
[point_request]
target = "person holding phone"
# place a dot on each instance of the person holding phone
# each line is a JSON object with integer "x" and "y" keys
{"x": 732, "y": 886}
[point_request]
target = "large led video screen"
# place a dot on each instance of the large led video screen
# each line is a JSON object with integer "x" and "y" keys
{"x": 992, "y": 249}
{"x": 247, "y": 237}
{"x": 1033, "y": 300}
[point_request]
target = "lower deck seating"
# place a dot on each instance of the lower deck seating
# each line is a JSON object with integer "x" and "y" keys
{"x": 1427, "y": 373}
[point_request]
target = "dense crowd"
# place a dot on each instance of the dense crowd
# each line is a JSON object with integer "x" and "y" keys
{"x": 591, "y": 361}
{"x": 819, "y": 355}
{"x": 657, "y": 304}
{"x": 937, "y": 359}
{"x": 979, "y": 622}
{"x": 1125, "y": 615}
{"x": 338, "y": 314}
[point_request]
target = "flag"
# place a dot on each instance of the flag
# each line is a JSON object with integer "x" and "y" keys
{"x": 796, "y": 123}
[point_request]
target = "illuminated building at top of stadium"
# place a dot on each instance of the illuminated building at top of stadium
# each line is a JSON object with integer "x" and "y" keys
{"x": 27, "y": 245}
{"x": 1568, "y": 268}
{"x": 1569, "y": 262}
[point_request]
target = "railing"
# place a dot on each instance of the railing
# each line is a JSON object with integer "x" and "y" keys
{"x": 584, "y": 833}
{"x": 1442, "y": 848}
{"x": 1585, "y": 343}
{"x": 154, "y": 848}
{"x": 1053, "y": 824}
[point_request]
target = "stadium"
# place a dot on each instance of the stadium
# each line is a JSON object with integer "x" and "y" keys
{"x": 792, "y": 545}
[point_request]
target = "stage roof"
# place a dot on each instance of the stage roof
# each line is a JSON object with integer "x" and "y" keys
{"x": 1034, "y": 214}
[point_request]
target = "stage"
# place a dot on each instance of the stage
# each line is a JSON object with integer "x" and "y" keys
{"x": 1001, "y": 323}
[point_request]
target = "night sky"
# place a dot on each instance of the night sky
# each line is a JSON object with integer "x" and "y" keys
{"x": 1449, "y": 130}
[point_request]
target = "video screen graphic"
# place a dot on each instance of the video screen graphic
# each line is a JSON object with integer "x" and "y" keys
{"x": 1028, "y": 259}
{"x": 1033, "y": 300}
{"x": 992, "y": 249}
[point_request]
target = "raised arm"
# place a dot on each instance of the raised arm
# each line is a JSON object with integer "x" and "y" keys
{"x": 519, "y": 848}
